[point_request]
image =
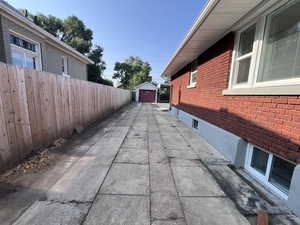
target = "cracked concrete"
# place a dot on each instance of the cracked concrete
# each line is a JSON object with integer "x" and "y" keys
{"x": 146, "y": 168}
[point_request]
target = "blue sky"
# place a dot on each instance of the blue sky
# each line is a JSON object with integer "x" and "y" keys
{"x": 151, "y": 29}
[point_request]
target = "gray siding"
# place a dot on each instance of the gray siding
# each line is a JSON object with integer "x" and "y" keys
{"x": 77, "y": 69}
{"x": 54, "y": 56}
{"x": 9, "y": 25}
{"x": 51, "y": 56}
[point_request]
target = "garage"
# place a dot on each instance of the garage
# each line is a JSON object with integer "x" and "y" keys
{"x": 147, "y": 96}
{"x": 146, "y": 92}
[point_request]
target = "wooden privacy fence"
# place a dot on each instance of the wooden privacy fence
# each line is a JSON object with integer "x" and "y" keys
{"x": 36, "y": 108}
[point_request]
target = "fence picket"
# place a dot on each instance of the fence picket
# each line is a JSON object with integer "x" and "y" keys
{"x": 36, "y": 108}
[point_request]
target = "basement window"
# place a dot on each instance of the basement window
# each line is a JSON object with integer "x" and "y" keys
{"x": 195, "y": 124}
{"x": 274, "y": 172}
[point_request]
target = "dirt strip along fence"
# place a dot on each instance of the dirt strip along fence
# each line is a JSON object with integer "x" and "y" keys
{"x": 37, "y": 108}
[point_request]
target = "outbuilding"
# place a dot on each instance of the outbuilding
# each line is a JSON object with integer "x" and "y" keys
{"x": 146, "y": 92}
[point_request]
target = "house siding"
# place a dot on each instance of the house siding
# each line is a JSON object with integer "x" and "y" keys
{"x": 76, "y": 69}
{"x": 51, "y": 56}
{"x": 271, "y": 122}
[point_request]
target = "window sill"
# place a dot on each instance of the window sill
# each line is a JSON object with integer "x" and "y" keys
{"x": 274, "y": 90}
{"x": 191, "y": 86}
{"x": 66, "y": 75}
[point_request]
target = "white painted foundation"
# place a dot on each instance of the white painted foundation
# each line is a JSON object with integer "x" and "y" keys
{"x": 231, "y": 146}
{"x": 234, "y": 148}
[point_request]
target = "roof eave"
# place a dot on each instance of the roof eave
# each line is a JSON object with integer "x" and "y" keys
{"x": 203, "y": 14}
{"x": 215, "y": 21}
{"x": 71, "y": 50}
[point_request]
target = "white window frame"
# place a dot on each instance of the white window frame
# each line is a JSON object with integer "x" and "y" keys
{"x": 192, "y": 84}
{"x": 277, "y": 87}
{"x": 36, "y": 54}
{"x": 65, "y": 73}
{"x": 264, "y": 179}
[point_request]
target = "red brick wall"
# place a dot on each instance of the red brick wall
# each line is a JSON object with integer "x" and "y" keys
{"x": 271, "y": 122}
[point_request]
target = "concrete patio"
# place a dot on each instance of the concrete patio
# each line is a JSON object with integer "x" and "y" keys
{"x": 144, "y": 167}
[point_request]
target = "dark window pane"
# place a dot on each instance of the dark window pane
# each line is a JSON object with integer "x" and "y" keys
{"x": 246, "y": 41}
{"x": 14, "y": 40}
{"x": 259, "y": 160}
{"x": 281, "y": 174}
{"x": 22, "y": 43}
{"x": 195, "y": 124}
{"x": 193, "y": 77}
{"x": 25, "y": 44}
{"x": 243, "y": 70}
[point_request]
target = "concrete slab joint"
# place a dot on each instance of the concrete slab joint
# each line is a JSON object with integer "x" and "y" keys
{"x": 151, "y": 171}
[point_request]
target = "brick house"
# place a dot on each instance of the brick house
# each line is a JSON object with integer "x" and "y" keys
{"x": 235, "y": 80}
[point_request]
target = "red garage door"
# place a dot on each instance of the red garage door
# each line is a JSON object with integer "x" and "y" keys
{"x": 147, "y": 96}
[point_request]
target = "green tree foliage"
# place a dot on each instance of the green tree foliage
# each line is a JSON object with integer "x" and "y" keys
{"x": 132, "y": 72}
{"x": 96, "y": 70}
{"x": 77, "y": 35}
{"x": 73, "y": 32}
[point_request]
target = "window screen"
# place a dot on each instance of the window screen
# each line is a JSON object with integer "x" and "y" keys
{"x": 281, "y": 52}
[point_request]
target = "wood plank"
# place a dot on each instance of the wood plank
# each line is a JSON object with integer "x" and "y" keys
{"x": 52, "y": 93}
{"x": 45, "y": 105}
{"x": 38, "y": 107}
{"x": 24, "y": 112}
{"x": 9, "y": 116}
{"x": 4, "y": 143}
{"x": 66, "y": 105}
{"x": 59, "y": 112}
{"x": 33, "y": 105}
{"x": 71, "y": 96}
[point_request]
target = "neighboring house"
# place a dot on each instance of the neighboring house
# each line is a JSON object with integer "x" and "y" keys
{"x": 235, "y": 80}
{"x": 146, "y": 92}
{"x": 25, "y": 44}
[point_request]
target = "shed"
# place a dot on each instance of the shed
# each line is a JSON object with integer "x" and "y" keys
{"x": 146, "y": 92}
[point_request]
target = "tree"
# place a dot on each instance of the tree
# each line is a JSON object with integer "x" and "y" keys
{"x": 132, "y": 72}
{"x": 73, "y": 32}
{"x": 95, "y": 71}
{"x": 77, "y": 35}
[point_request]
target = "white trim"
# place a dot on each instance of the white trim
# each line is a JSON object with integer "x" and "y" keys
{"x": 262, "y": 27}
{"x": 210, "y": 5}
{"x": 66, "y": 75}
{"x": 38, "y": 53}
{"x": 264, "y": 179}
{"x": 15, "y": 17}
{"x": 236, "y": 59}
{"x": 271, "y": 90}
{"x": 142, "y": 84}
{"x": 64, "y": 63}
{"x": 192, "y": 84}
